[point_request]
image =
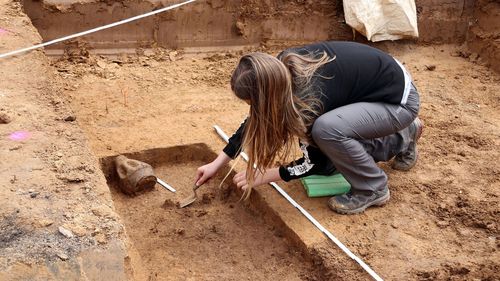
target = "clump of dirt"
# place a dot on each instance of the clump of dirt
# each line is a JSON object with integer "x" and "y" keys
{"x": 459, "y": 272}
{"x": 480, "y": 214}
{"x": 5, "y": 118}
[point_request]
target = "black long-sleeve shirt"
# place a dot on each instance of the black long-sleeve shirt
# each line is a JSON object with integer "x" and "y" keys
{"x": 359, "y": 73}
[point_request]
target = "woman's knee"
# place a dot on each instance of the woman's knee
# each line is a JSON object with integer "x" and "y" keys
{"x": 325, "y": 128}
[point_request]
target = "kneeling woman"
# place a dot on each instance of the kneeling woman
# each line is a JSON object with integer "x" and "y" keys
{"x": 348, "y": 104}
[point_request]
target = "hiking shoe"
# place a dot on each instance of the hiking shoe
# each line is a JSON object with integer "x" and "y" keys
{"x": 356, "y": 201}
{"x": 405, "y": 160}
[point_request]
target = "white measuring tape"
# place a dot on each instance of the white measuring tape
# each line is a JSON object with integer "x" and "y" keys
{"x": 95, "y": 29}
{"x": 309, "y": 217}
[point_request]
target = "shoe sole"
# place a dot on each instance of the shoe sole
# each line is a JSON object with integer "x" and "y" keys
{"x": 377, "y": 202}
{"x": 418, "y": 134}
{"x": 407, "y": 168}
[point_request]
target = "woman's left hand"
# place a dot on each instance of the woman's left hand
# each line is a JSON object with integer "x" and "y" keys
{"x": 240, "y": 179}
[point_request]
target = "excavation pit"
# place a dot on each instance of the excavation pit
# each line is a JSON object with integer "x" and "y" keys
{"x": 166, "y": 83}
{"x": 215, "y": 238}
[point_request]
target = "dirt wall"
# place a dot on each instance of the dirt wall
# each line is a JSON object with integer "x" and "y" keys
{"x": 220, "y": 23}
{"x": 200, "y": 24}
{"x": 484, "y": 33}
{"x": 443, "y": 21}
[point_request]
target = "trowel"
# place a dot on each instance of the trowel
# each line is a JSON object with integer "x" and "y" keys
{"x": 190, "y": 199}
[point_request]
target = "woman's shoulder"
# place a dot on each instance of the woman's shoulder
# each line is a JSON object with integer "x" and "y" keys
{"x": 309, "y": 49}
{"x": 331, "y": 47}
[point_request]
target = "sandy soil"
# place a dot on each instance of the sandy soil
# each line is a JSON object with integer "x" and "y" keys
{"x": 50, "y": 183}
{"x": 450, "y": 198}
{"x": 214, "y": 238}
{"x": 441, "y": 223}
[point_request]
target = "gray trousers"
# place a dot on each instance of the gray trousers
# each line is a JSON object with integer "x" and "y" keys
{"x": 356, "y": 136}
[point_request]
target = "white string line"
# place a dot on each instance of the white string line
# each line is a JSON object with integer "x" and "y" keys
{"x": 310, "y": 217}
{"x": 95, "y": 29}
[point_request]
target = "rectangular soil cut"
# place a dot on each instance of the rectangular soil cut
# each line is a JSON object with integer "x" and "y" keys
{"x": 215, "y": 238}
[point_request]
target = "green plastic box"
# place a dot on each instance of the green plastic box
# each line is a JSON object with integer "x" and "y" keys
{"x": 320, "y": 186}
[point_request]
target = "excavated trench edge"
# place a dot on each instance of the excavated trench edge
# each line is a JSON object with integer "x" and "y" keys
{"x": 256, "y": 203}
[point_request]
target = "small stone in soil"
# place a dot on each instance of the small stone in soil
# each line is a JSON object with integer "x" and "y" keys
{"x": 201, "y": 213}
{"x": 430, "y": 67}
{"x": 103, "y": 211}
{"x": 45, "y": 222}
{"x": 442, "y": 224}
{"x": 169, "y": 203}
{"x": 101, "y": 238}
{"x": 206, "y": 199}
{"x": 5, "y": 119}
{"x": 180, "y": 231}
{"x": 240, "y": 28}
{"x": 67, "y": 233}
{"x": 62, "y": 256}
{"x": 70, "y": 118}
{"x": 15, "y": 147}
{"x": 213, "y": 229}
{"x": 172, "y": 55}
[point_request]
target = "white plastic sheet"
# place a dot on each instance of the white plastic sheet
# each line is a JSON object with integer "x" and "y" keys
{"x": 382, "y": 20}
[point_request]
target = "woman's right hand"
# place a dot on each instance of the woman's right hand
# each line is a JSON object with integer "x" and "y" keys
{"x": 206, "y": 172}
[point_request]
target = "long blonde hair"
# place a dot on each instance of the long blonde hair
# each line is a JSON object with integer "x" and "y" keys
{"x": 283, "y": 104}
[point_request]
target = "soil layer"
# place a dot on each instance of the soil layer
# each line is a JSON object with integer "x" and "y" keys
{"x": 217, "y": 24}
{"x": 484, "y": 34}
{"x": 214, "y": 238}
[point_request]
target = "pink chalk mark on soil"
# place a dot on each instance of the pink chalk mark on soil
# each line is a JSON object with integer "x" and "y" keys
{"x": 3, "y": 31}
{"x": 20, "y": 135}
